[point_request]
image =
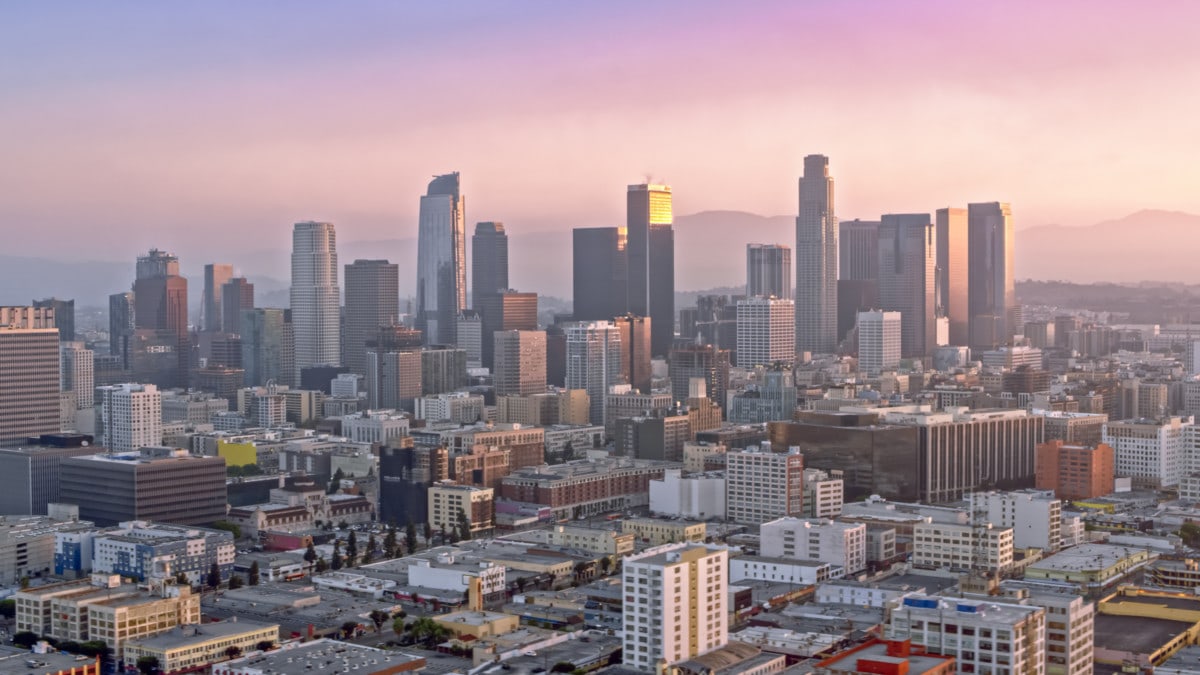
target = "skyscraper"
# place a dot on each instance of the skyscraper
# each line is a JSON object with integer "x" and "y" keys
{"x": 879, "y": 338}
{"x": 215, "y": 277}
{"x": 78, "y": 373}
{"x": 489, "y": 261}
{"x": 64, "y": 316}
{"x": 29, "y": 383}
{"x": 372, "y": 301}
{"x": 816, "y": 260}
{"x": 707, "y": 362}
{"x": 651, "y": 255}
{"x": 600, "y": 273}
{"x": 992, "y": 300}
{"x": 858, "y": 249}
{"x": 508, "y": 310}
{"x": 441, "y": 259}
{"x": 120, "y": 325}
{"x": 237, "y": 295}
{"x": 636, "y": 332}
{"x": 160, "y": 299}
{"x": 263, "y": 345}
{"x": 769, "y": 271}
{"x": 594, "y": 362}
{"x": 520, "y": 362}
{"x": 765, "y": 332}
{"x": 952, "y": 278}
{"x": 907, "y": 273}
{"x": 315, "y": 296}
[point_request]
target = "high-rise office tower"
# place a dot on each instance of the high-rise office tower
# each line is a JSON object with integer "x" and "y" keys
{"x": 600, "y": 273}
{"x": 489, "y": 261}
{"x": 692, "y": 621}
{"x": 470, "y": 337}
{"x": 879, "y": 339}
{"x": 120, "y": 325}
{"x": 769, "y": 271}
{"x": 952, "y": 278}
{"x": 216, "y": 276}
{"x": 393, "y": 379}
{"x": 315, "y": 297}
{"x": 29, "y": 383}
{"x": 372, "y": 301}
{"x": 816, "y": 260}
{"x": 992, "y": 300}
{"x": 651, "y": 257}
{"x": 64, "y": 316}
{"x": 707, "y": 362}
{"x": 441, "y": 259}
{"x": 765, "y": 332}
{"x": 237, "y": 295}
{"x": 520, "y": 362}
{"x": 507, "y": 310}
{"x": 594, "y": 362}
{"x": 78, "y": 373}
{"x": 858, "y": 249}
{"x": 636, "y": 332}
{"x": 160, "y": 294}
{"x": 263, "y": 344}
{"x": 907, "y": 279}
{"x": 129, "y": 417}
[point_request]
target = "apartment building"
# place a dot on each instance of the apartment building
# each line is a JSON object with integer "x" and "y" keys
{"x": 953, "y": 547}
{"x": 761, "y": 485}
{"x": 842, "y": 545}
{"x": 448, "y": 500}
{"x": 983, "y": 636}
{"x": 1034, "y": 516}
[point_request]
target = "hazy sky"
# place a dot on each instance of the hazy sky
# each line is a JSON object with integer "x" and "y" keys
{"x": 194, "y": 125}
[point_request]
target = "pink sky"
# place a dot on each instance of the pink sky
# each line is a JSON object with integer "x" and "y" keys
{"x": 194, "y": 126}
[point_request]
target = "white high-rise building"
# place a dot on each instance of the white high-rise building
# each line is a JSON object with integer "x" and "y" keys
{"x": 78, "y": 373}
{"x": 1034, "y": 515}
{"x": 816, "y": 260}
{"x": 441, "y": 259}
{"x": 765, "y": 332}
{"x": 761, "y": 485}
{"x": 676, "y": 604}
{"x": 129, "y": 416}
{"x": 983, "y": 636}
{"x": 824, "y": 493}
{"x": 878, "y": 341}
{"x": 1152, "y": 452}
{"x": 594, "y": 363}
{"x": 843, "y": 545}
{"x": 1070, "y": 624}
{"x": 315, "y": 296}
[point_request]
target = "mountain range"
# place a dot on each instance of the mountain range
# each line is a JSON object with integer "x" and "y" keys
{"x": 1149, "y": 245}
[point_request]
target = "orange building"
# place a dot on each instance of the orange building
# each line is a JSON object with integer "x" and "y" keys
{"x": 1075, "y": 471}
{"x": 887, "y": 657}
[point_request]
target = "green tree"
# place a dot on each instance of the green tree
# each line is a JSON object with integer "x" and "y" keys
{"x": 348, "y": 629}
{"x": 228, "y": 527}
{"x": 379, "y": 617}
{"x": 410, "y": 536}
{"x": 351, "y": 549}
{"x": 321, "y": 566}
{"x": 335, "y": 562}
{"x": 148, "y": 665}
{"x": 25, "y": 581}
{"x": 235, "y": 582}
{"x": 563, "y": 667}
{"x": 369, "y": 552}
{"x": 214, "y": 576}
{"x": 428, "y": 535}
{"x": 336, "y": 483}
{"x": 265, "y": 646}
{"x": 182, "y": 579}
{"x": 232, "y": 652}
{"x": 464, "y": 526}
{"x": 605, "y": 564}
{"x": 310, "y": 553}
{"x": 390, "y": 543}
{"x": 8, "y": 608}
{"x": 252, "y": 576}
{"x": 343, "y": 524}
{"x": 24, "y": 639}
{"x": 398, "y": 626}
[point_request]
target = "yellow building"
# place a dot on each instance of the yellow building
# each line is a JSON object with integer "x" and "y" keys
{"x": 594, "y": 540}
{"x": 1091, "y": 565}
{"x": 1135, "y": 625}
{"x": 657, "y": 532}
{"x": 237, "y": 454}
{"x": 197, "y": 646}
{"x": 446, "y": 500}
{"x": 479, "y": 624}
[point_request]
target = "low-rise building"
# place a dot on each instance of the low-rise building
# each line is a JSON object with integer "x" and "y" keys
{"x": 317, "y": 656}
{"x": 143, "y": 551}
{"x": 189, "y": 647}
{"x": 780, "y": 570}
{"x": 595, "y": 540}
{"x": 449, "y": 503}
{"x": 479, "y": 624}
{"x": 842, "y": 545}
{"x": 954, "y": 547}
{"x": 886, "y": 656}
{"x": 1091, "y": 566}
{"x": 27, "y": 545}
{"x": 656, "y": 531}
{"x": 699, "y": 496}
{"x": 983, "y": 636}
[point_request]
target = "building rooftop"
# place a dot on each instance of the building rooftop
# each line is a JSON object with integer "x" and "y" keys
{"x": 473, "y": 617}
{"x": 1086, "y": 557}
{"x": 1136, "y": 634}
{"x": 878, "y": 651}
{"x": 322, "y": 656}
{"x": 14, "y": 661}
{"x": 182, "y": 636}
{"x": 1185, "y": 660}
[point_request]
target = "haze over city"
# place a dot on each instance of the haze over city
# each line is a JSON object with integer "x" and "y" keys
{"x": 176, "y": 126}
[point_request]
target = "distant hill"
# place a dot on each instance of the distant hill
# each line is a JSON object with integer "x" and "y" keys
{"x": 1148, "y": 245}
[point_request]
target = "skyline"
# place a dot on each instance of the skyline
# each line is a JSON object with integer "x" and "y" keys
{"x": 547, "y": 115}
